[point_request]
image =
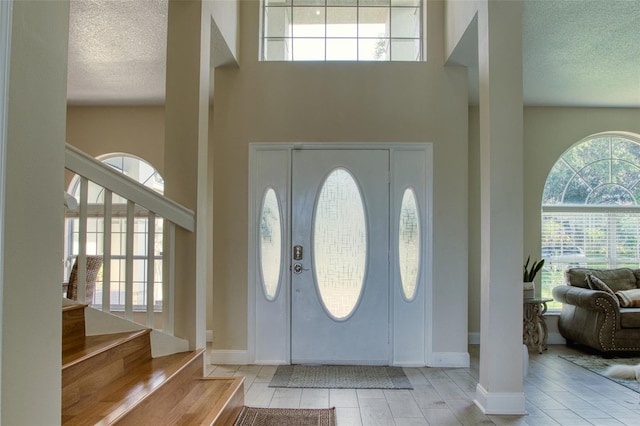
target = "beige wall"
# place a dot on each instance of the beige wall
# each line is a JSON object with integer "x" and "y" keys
{"x": 548, "y": 132}
{"x": 339, "y": 102}
{"x": 125, "y": 129}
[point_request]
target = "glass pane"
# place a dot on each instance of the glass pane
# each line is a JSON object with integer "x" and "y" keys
{"x": 277, "y": 2}
{"x": 405, "y": 22}
{"x": 375, "y": 2}
{"x": 308, "y": 2}
{"x": 577, "y": 192}
{"x": 342, "y": 2}
{"x": 308, "y": 49}
{"x": 308, "y": 22}
{"x": 405, "y": 50}
{"x": 277, "y": 21}
{"x": 409, "y": 244}
{"x": 340, "y": 49}
{"x": 624, "y": 173}
{"x": 624, "y": 149}
{"x": 342, "y": 22}
{"x": 596, "y": 174}
{"x": 405, "y": 3}
{"x": 586, "y": 153}
{"x": 277, "y": 49}
{"x": 373, "y": 22}
{"x": 270, "y": 244}
{"x": 610, "y": 195}
{"x": 339, "y": 244}
{"x": 557, "y": 180}
{"x": 371, "y": 49}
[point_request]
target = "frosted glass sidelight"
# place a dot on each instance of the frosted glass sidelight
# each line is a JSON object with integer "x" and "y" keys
{"x": 340, "y": 244}
{"x": 270, "y": 244}
{"x": 409, "y": 244}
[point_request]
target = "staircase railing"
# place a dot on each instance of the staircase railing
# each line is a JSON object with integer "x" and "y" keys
{"x": 140, "y": 201}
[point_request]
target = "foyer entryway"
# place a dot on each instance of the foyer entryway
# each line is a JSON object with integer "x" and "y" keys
{"x": 340, "y": 253}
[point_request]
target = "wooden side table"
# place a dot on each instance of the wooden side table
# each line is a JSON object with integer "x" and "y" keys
{"x": 534, "y": 328}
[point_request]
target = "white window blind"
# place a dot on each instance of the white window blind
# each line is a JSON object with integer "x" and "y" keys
{"x": 594, "y": 238}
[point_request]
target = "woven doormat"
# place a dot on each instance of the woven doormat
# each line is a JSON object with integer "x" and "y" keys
{"x": 250, "y": 416}
{"x": 597, "y": 364}
{"x": 340, "y": 377}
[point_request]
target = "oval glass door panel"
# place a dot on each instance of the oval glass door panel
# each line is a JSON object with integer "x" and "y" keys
{"x": 409, "y": 244}
{"x": 340, "y": 244}
{"x": 270, "y": 244}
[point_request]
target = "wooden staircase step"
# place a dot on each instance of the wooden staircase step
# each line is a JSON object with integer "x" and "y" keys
{"x": 82, "y": 348}
{"x": 190, "y": 400}
{"x": 162, "y": 391}
{"x": 93, "y": 362}
{"x": 112, "y": 379}
{"x": 73, "y": 325}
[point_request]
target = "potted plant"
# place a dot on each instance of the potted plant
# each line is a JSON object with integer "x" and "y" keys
{"x": 529, "y": 275}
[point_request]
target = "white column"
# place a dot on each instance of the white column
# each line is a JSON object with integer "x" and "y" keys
{"x": 500, "y": 390}
{"x": 186, "y": 154}
{"x": 33, "y": 213}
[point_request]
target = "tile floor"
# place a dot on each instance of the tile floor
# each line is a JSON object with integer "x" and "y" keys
{"x": 557, "y": 391}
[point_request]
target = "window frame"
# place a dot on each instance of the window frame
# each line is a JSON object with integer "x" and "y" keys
{"x": 289, "y": 4}
{"x": 606, "y": 215}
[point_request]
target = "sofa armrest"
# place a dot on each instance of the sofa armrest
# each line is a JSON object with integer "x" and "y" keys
{"x": 593, "y": 300}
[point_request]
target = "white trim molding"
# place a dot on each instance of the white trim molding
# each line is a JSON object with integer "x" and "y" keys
{"x": 230, "y": 357}
{"x": 511, "y": 403}
{"x": 5, "y": 63}
{"x": 449, "y": 359}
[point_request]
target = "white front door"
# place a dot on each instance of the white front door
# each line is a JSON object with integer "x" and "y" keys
{"x": 340, "y": 257}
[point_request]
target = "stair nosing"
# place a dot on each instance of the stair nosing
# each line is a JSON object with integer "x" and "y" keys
{"x": 73, "y": 307}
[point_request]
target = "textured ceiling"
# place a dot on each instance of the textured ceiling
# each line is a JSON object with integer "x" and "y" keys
{"x": 579, "y": 52}
{"x": 117, "y": 51}
{"x": 576, "y": 52}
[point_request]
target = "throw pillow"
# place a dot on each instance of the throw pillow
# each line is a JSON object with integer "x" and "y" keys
{"x": 629, "y": 298}
{"x": 596, "y": 283}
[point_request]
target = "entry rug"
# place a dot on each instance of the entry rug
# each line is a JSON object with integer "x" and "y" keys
{"x": 340, "y": 377}
{"x": 597, "y": 364}
{"x": 250, "y": 416}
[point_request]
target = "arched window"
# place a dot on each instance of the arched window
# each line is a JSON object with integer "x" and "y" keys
{"x": 591, "y": 207}
{"x": 146, "y": 174}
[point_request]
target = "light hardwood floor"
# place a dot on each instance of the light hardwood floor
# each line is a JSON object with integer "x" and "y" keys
{"x": 557, "y": 391}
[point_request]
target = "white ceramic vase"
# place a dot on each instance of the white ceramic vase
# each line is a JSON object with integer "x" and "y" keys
{"x": 529, "y": 289}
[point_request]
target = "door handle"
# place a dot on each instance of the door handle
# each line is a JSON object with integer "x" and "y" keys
{"x": 297, "y": 268}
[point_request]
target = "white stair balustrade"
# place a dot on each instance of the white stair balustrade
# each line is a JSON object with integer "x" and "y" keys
{"x": 145, "y": 209}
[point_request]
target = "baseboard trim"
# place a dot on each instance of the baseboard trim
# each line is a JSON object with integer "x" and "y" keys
{"x": 508, "y": 403}
{"x": 449, "y": 359}
{"x": 229, "y": 357}
{"x": 552, "y": 339}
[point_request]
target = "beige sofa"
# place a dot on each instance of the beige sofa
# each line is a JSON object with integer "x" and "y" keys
{"x": 602, "y": 317}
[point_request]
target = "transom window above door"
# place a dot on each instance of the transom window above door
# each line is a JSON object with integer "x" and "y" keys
{"x": 342, "y": 30}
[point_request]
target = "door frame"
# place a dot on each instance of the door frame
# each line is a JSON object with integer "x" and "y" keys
{"x": 275, "y": 347}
